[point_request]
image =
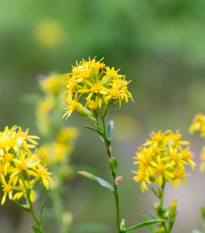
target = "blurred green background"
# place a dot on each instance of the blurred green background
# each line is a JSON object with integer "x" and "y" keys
{"x": 157, "y": 44}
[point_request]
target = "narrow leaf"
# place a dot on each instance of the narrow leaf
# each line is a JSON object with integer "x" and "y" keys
{"x": 151, "y": 227}
{"x": 25, "y": 207}
{"x": 36, "y": 229}
{"x": 143, "y": 224}
{"x": 153, "y": 215}
{"x": 91, "y": 128}
{"x": 98, "y": 179}
{"x": 110, "y": 130}
{"x": 41, "y": 210}
{"x": 155, "y": 192}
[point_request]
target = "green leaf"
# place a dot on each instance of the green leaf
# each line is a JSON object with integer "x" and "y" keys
{"x": 155, "y": 192}
{"x": 110, "y": 130}
{"x": 91, "y": 128}
{"x": 151, "y": 227}
{"x": 98, "y": 179}
{"x": 113, "y": 164}
{"x": 36, "y": 229}
{"x": 41, "y": 210}
{"x": 143, "y": 224}
{"x": 25, "y": 207}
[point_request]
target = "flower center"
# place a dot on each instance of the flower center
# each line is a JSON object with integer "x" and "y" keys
{"x": 160, "y": 169}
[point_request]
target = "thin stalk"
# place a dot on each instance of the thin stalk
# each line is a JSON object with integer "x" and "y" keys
{"x": 30, "y": 206}
{"x": 108, "y": 148}
{"x": 31, "y": 211}
{"x": 161, "y": 197}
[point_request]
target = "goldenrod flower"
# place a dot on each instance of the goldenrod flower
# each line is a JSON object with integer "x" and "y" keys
{"x": 18, "y": 164}
{"x": 202, "y": 156}
{"x": 7, "y": 189}
{"x": 142, "y": 177}
{"x": 49, "y": 33}
{"x": 163, "y": 159}
{"x": 98, "y": 84}
{"x": 198, "y": 125}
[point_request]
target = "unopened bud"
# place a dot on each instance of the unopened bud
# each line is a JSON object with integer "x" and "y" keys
{"x": 118, "y": 180}
{"x": 122, "y": 225}
{"x": 161, "y": 230}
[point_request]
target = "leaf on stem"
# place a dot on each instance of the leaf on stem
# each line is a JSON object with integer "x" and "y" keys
{"x": 25, "y": 207}
{"x": 143, "y": 224}
{"x": 151, "y": 227}
{"x": 36, "y": 229}
{"x": 110, "y": 131}
{"x": 96, "y": 178}
{"x": 41, "y": 210}
{"x": 91, "y": 128}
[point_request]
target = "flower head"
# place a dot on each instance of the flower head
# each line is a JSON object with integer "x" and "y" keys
{"x": 100, "y": 86}
{"x": 19, "y": 166}
{"x": 163, "y": 159}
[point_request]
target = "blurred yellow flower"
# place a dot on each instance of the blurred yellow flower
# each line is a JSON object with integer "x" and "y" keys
{"x": 49, "y": 33}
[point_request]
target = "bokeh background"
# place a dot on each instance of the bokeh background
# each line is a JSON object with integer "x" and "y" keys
{"x": 158, "y": 44}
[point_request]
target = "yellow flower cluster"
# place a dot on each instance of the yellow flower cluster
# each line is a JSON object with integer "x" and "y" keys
{"x": 49, "y": 33}
{"x": 99, "y": 84}
{"x": 199, "y": 125}
{"x": 59, "y": 150}
{"x": 54, "y": 99}
{"x": 20, "y": 169}
{"x": 163, "y": 159}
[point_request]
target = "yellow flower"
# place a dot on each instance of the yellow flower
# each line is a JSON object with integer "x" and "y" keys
{"x": 19, "y": 166}
{"x": 99, "y": 85}
{"x": 75, "y": 106}
{"x": 7, "y": 189}
{"x": 66, "y": 134}
{"x": 54, "y": 83}
{"x": 163, "y": 159}
{"x": 49, "y": 33}
{"x": 142, "y": 177}
{"x": 202, "y": 156}
{"x": 198, "y": 124}
{"x": 45, "y": 176}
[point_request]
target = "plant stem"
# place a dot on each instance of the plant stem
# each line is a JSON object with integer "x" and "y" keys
{"x": 108, "y": 148}
{"x": 161, "y": 215}
{"x": 31, "y": 211}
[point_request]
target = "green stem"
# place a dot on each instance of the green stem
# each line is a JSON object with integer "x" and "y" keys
{"x": 31, "y": 211}
{"x": 161, "y": 215}
{"x": 29, "y": 204}
{"x": 108, "y": 148}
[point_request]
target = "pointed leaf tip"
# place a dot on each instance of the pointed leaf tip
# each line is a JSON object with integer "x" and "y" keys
{"x": 36, "y": 229}
{"x": 146, "y": 223}
{"x": 101, "y": 181}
